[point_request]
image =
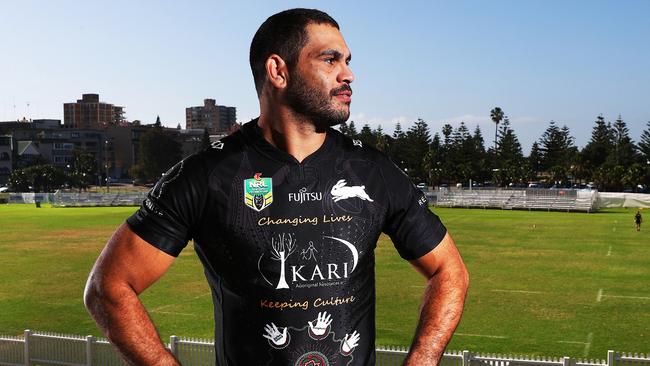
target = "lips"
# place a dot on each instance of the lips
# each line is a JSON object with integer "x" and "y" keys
{"x": 344, "y": 93}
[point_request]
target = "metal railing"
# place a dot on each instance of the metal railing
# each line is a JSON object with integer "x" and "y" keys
{"x": 43, "y": 348}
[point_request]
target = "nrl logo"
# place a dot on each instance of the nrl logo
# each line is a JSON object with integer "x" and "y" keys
{"x": 258, "y": 192}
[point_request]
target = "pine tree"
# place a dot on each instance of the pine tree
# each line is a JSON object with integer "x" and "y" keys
{"x": 352, "y": 130}
{"x": 366, "y": 136}
{"x": 418, "y": 140}
{"x": 446, "y": 132}
{"x": 479, "y": 170}
{"x": 624, "y": 153}
{"x": 398, "y": 133}
{"x": 644, "y": 143}
{"x": 535, "y": 160}
{"x": 558, "y": 151}
{"x": 510, "y": 156}
{"x": 397, "y": 150}
{"x": 599, "y": 146}
{"x": 381, "y": 139}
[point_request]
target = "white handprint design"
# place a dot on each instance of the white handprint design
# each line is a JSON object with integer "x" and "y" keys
{"x": 349, "y": 342}
{"x": 320, "y": 328}
{"x": 276, "y": 338}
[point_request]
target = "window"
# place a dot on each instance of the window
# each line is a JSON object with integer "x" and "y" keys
{"x": 63, "y": 146}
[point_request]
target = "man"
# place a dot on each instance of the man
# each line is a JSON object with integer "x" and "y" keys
{"x": 284, "y": 215}
{"x": 637, "y": 220}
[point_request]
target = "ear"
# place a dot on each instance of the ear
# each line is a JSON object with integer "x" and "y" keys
{"x": 277, "y": 71}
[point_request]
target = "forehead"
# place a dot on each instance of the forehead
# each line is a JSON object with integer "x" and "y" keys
{"x": 322, "y": 37}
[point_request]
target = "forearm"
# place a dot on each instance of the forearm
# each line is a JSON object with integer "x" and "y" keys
{"x": 442, "y": 307}
{"x": 124, "y": 320}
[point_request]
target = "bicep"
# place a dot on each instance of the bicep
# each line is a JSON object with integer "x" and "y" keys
{"x": 445, "y": 256}
{"x": 129, "y": 260}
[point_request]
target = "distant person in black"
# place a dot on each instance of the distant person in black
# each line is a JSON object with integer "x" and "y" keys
{"x": 637, "y": 220}
{"x": 285, "y": 215}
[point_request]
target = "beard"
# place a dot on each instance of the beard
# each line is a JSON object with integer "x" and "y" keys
{"x": 315, "y": 104}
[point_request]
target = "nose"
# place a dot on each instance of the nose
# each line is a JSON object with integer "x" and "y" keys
{"x": 346, "y": 75}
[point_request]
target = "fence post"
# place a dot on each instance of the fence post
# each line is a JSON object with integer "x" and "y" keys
{"x": 566, "y": 361}
{"x": 89, "y": 350}
{"x": 611, "y": 358}
{"x": 467, "y": 357}
{"x": 26, "y": 355}
{"x": 173, "y": 340}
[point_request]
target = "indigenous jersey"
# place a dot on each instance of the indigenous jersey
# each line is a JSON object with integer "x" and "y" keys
{"x": 288, "y": 247}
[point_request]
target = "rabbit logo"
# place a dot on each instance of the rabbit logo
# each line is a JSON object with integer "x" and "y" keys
{"x": 340, "y": 191}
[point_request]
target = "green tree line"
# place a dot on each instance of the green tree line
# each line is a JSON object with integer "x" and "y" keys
{"x": 611, "y": 160}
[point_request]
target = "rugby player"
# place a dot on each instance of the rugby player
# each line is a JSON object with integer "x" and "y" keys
{"x": 285, "y": 215}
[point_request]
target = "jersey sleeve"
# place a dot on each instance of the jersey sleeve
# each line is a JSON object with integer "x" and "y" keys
{"x": 414, "y": 229}
{"x": 173, "y": 207}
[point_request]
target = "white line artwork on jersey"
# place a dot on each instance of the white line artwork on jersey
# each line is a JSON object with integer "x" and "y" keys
{"x": 320, "y": 328}
{"x": 311, "y": 268}
{"x": 308, "y": 253}
{"x": 350, "y": 341}
{"x": 277, "y": 339}
{"x": 283, "y": 247}
{"x": 340, "y": 191}
{"x": 169, "y": 176}
{"x": 353, "y": 249}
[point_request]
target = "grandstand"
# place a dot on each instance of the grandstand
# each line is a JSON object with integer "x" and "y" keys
{"x": 520, "y": 199}
{"x": 61, "y": 199}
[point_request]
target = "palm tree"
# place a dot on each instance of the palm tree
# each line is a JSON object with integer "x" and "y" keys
{"x": 496, "y": 115}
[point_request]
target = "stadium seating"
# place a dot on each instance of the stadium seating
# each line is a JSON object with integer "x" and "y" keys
{"x": 61, "y": 199}
{"x": 524, "y": 199}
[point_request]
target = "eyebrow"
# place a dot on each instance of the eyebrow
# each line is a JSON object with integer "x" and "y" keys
{"x": 334, "y": 53}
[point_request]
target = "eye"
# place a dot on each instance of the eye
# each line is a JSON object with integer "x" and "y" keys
{"x": 329, "y": 60}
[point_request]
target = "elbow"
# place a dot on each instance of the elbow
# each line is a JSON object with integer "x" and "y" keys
{"x": 91, "y": 293}
{"x": 464, "y": 278}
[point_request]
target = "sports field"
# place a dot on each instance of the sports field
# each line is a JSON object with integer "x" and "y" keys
{"x": 556, "y": 284}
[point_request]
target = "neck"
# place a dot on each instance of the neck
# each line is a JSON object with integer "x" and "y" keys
{"x": 288, "y": 132}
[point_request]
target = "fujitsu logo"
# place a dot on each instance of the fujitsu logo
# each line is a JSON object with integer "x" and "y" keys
{"x": 303, "y": 196}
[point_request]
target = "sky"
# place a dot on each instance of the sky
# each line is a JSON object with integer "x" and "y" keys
{"x": 444, "y": 62}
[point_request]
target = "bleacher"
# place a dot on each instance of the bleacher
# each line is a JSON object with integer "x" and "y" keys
{"x": 519, "y": 199}
{"x": 63, "y": 199}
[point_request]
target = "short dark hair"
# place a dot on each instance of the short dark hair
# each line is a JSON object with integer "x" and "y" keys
{"x": 283, "y": 34}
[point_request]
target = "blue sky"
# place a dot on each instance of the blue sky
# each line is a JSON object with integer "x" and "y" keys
{"x": 444, "y": 62}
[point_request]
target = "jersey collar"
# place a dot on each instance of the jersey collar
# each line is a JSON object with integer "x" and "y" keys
{"x": 254, "y": 135}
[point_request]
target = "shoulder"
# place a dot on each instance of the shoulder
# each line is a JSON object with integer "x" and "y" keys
{"x": 357, "y": 149}
{"x": 219, "y": 153}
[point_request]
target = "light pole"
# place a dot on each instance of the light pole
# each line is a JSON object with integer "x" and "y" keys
{"x": 106, "y": 164}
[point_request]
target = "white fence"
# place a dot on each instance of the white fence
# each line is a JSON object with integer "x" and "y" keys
{"x": 41, "y": 348}
{"x": 617, "y": 199}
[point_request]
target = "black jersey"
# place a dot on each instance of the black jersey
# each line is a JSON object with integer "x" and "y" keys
{"x": 288, "y": 247}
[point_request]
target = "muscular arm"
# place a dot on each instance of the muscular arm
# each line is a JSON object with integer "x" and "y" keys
{"x": 125, "y": 268}
{"x": 443, "y": 302}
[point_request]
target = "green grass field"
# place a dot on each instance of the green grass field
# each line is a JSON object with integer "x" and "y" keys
{"x": 555, "y": 284}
